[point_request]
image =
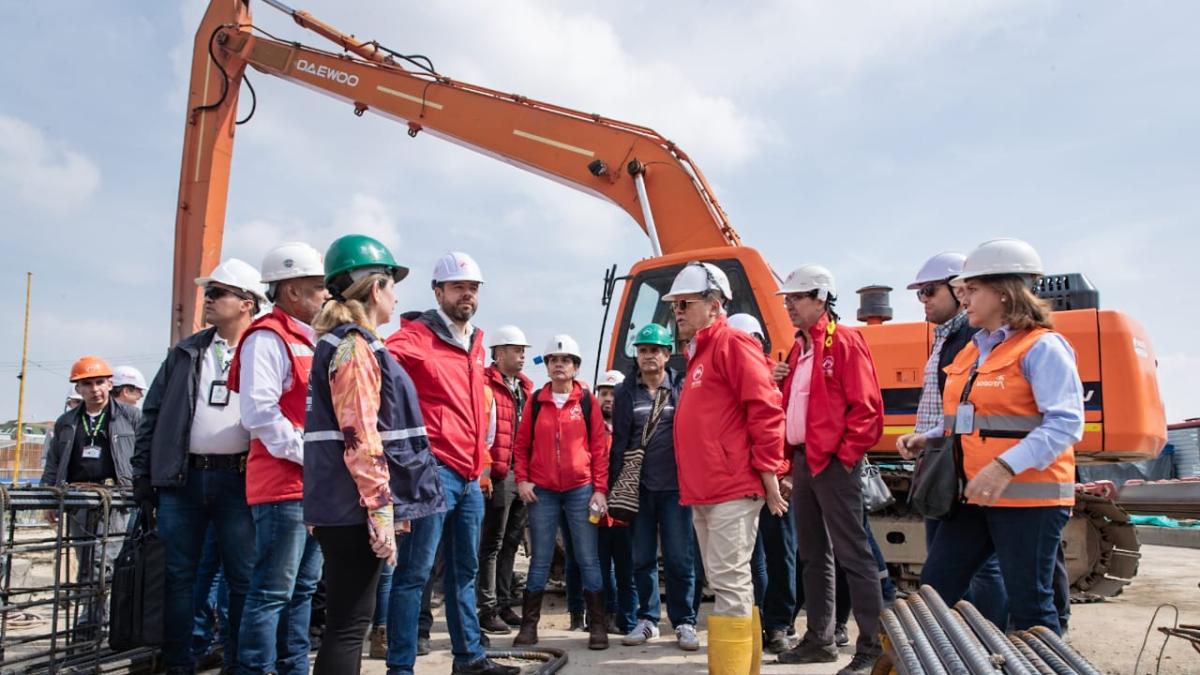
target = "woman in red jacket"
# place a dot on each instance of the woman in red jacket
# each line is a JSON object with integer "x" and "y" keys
{"x": 561, "y": 465}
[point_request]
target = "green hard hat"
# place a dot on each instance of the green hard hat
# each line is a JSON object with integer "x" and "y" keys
{"x": 654, "y": 334}
{"x": 355, "y": 251}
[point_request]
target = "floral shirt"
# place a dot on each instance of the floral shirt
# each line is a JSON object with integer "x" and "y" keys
{"x": 354, "y": 383}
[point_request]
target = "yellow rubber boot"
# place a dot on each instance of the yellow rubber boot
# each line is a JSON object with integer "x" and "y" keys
{"x": 756, "y": 640}
{"x": 729, "y": 645}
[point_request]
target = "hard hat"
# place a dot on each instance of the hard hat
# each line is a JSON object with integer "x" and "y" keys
{"x": 507, "y": 335}
{"x": 810, "y": 278}
{"x": 237, "y": 274}
{"x": 699, "y": 277}
{"x": 359, "y": 252}
{"x": 73, "y": 393}
{"x": 611, "y": 378}
{"x": 654, "y": 334}
{"x": 90, "y": 366}
{"x": 456, "y": 266}
{"x": 747, "y": 324}
{"x": 292, "y": 260}
{"x": 941, "y": 267}
{"x": 123, "y": 375}
{"x": 1001, "y": 256}
{"x": 563, "y": 344}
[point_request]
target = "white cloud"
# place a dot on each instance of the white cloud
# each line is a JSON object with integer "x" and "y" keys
{"x": 42, "y": 171}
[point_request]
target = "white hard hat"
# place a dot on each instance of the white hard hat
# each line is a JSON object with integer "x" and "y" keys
{"x": 292, "y": 260}
{"x": 456, "y": 266}
{"x": 507, "y": 335}
{"x": 563, "y": 344}
{"x": 611, "y": 378}
{"x": 123, "y": 375}
{"x": 941, "y": 267}
{"x": 73, "y": 394}
{"x": 1001, "y": 256}
{"x": 699, "y": 277}
{"x": 810, "y": 278}
{"x": 746, "y": 323}
{"x": 238, "y": 274}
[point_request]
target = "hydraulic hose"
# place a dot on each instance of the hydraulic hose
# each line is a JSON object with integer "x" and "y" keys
{"x": 978, "y": 661}
{"x": 1014, "y": 663}
{"x": 925, "y": 651}
{"x": 552, "y": 658}
{"x": 905, "y": 661}
{"x": 1064, "y": 650}
{"x": 941, "y": 643}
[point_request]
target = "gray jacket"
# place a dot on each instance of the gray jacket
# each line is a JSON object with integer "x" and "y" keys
{"x": 121, "y": 430}
{"x": 165, "y": 432}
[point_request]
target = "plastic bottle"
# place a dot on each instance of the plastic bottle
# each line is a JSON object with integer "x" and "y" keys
{"x": 595, "y": 513}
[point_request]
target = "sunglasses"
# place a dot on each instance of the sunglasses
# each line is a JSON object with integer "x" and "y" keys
{"x": 216, "y": 293}
{"x": 928, "y": 290}
{"x": 682, "y": 305}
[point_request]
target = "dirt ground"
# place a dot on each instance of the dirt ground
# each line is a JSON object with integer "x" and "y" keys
{"x": 1108, "y": 634}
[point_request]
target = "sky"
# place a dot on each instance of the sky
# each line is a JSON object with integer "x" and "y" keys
{"x": 865, "y": 136}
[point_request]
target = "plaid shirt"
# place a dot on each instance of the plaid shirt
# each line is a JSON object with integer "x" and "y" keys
{"x": 929, "y": 410}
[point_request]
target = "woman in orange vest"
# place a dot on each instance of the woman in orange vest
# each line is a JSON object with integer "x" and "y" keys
{"x": 1014, "y": 399}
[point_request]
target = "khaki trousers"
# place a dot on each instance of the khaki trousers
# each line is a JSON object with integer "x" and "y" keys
{"x": 726, "y": 533}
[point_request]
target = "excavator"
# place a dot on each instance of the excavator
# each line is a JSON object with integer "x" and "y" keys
{"x": 654, "y": 181}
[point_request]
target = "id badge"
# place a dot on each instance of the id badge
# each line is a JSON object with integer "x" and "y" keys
{"x": 91, "y": 452}
{"x": 218, "y": 394}
{"x": 964, "y": 419}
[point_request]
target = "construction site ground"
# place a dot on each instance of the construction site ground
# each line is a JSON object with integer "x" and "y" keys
{"x": 1109, "y": 634}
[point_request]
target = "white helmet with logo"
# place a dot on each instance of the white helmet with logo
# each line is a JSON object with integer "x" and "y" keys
{"x": 611, "y": 378}
{"x": 699, "y": 277}
{"x": 292, "y": 260}
{"x": 237, "y": 274}
{"x": 941, "y": 267}
{"x": 73, "y": 393}
{"x": 563, "y": 344}
{"x": 123, "y": 375}
{"x": 747, "y": 324}
{"x": 456, "y": 266}
{"x": 507, "y": 335}
{"x": 1001, "y": 256}
{"x": 808, "y": 278}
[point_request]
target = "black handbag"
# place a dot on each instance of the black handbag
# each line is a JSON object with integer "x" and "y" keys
{"x": 938, "y": 479}
{"x": 138, "y": 610}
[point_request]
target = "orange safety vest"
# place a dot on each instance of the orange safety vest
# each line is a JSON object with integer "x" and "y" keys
{"x": 1005, "y": 412}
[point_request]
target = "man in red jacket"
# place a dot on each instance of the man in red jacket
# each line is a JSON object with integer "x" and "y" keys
{"x": 834, "y": 413}
{"x": 728, "y": 448}
{"x": 443, "y": 354}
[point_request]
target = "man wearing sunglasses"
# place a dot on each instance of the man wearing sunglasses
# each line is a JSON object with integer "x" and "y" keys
{"x": 190, "y": 458}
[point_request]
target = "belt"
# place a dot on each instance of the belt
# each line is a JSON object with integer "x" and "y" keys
{"x": 228, "y": 462}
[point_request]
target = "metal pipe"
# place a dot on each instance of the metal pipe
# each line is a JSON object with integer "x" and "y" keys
{"x": 552, "y": 658}
{"x": 929, "y": 657}
{"x": 906, "y": 661}
{"x": 1047, "y": 654}
{"x": 1029, "y": 655}
{"x": 941, "y": 642}
{"x": 991, "y": 636}
{"x": 977, "y": 660}
{"x": 644, "y": 201}
{"x": 1064, "y": 650}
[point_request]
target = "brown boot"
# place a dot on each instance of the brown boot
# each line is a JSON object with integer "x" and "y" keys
{"x": 597, "y": 622}
{"x": 531, "y": 613}
{"x": 378, "y": 643}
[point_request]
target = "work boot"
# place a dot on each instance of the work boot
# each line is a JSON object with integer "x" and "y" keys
{"x": 508, "y": 616}
{"x": 841, "y": 636}
{"x": 484, "y": 666}
{"x": 777, "y": 641}
{"x": 577, "y": 622}
{"x": 531, "y": 614}
{"x": 423, "y": 646}
{"x": 756, "y": 641}
{"x": 490, "y": 623}
{"x": 810, "y": 652}
{"x": 613, "y": 628}
{"x": 730, "y": 645}
{"x": 863, "y": 662}
{"x": 378, "y": 643}
{"x": 597, "y": 621}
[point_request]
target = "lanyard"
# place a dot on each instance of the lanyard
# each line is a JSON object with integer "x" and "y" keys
{"x": 91, "y": 431}
{"x": 219, "y": 353}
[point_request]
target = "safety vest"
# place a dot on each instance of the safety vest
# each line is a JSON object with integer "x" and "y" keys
{"x": 270, "y": 479}
{"x": 1005, "y": 412}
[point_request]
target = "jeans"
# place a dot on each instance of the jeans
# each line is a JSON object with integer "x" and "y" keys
{"x": 886, "y": 586}
{"x": 1026, "y": 540}
{"x": 615, "y": 548}
{"x": 351, "y": 575}
{"x": 287, "y": 566}
{"x": 216, "y": 496}
{"x": 986, "y": 591}
{"x": 660, "y": 517}
{"x": 572, "y": 580}
{"x": 544, "y": 515}
{"x": 774, "y": 567}
{"x": 383, "y": 591}
{"x": 503, "y": 528}
{"x": 211, "y": 600}
{"x": 459, "y": 526}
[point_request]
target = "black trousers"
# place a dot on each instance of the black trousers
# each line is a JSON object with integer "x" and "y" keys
{"x": 504, "y": 520}
{"x": 351, "y": 574}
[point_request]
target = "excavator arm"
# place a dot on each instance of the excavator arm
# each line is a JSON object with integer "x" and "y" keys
{"x": 634, "y": 167}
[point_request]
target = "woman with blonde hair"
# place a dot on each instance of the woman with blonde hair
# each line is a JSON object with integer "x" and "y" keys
{"x": 1014, "y": 402}
{"x": 368, "y": 470}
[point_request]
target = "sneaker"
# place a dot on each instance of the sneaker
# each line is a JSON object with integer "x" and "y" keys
{"x": 378, "y": 649}
{"x": 841, "y": 637}
{"x": 577, "y": 622}
{"x": 776, "y": 642}
{"x": 686, "y": 638}
{"x": 484, "y": 666}
{"x": 423, "y": 646}
{"x": 810, "y": 652}
{"x": 862, "y": 663}
{"x": 643, "y": 631}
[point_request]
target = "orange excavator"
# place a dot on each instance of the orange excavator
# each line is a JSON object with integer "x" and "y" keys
{"x": 664, "y": 192}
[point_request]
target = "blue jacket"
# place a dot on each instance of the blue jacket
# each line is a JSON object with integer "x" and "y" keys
{"x": 627, "y": 433}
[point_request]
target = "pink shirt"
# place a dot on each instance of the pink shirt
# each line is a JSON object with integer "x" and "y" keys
{"x": 797, "y": 411}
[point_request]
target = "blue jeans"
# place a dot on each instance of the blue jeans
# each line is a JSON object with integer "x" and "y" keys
{"x": 615, "y": 547}
{"x": 1026, "y": 540}
{"x": 544, "y": 517}
{"x": 887, "y": 587}
{"x": 986, "y": 591}
{"x": 383, "y": 593}
{"x": 661, "y": 517}
{"x": 773, "y": 566}
{"x": 459, "y": 525}
{"x": 211, "y": 600}
{"x": 216, "y": 496}
{"x": 572, "y": 581}
{"x": 287, "y": 567}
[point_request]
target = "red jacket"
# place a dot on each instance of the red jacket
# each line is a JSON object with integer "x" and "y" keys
{"x": 506, "y": 418}
{"x": 559, "y": 456}
{"x": 845, "y": 407}
{"x": 449, "y": 382}
{"x": 728, "y": 420}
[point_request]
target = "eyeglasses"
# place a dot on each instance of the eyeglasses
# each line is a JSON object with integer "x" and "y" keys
{"x": 682, "y": 305}
{"x": 792, "y": 298}
{"x": 927, "y": 291}
{"x": 216, "y": 293}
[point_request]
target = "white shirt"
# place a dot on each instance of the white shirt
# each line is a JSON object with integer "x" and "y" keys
{"x": 463, "y": 336}
{"x": 217, "y": 430}
{"x": 266, "y": 372}
{"x": 560, "y": 399}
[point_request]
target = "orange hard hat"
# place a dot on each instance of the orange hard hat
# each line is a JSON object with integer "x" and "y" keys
{"x": 90, "y": 366}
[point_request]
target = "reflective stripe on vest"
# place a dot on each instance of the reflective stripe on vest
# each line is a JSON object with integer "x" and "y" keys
{"x": 1003, "y": 423}
{"x": 385, "y": 436}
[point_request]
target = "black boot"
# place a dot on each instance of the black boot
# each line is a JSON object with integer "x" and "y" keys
{"x": 597, "y": 621}
{"x": 531, "y": 614}
{"x": 577, "y": 622}
{"x": 508, "y": 616}
{"x": 489, "y": 622}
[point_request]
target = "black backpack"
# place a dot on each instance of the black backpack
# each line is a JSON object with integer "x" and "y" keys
{"x": 585, "y": 403}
